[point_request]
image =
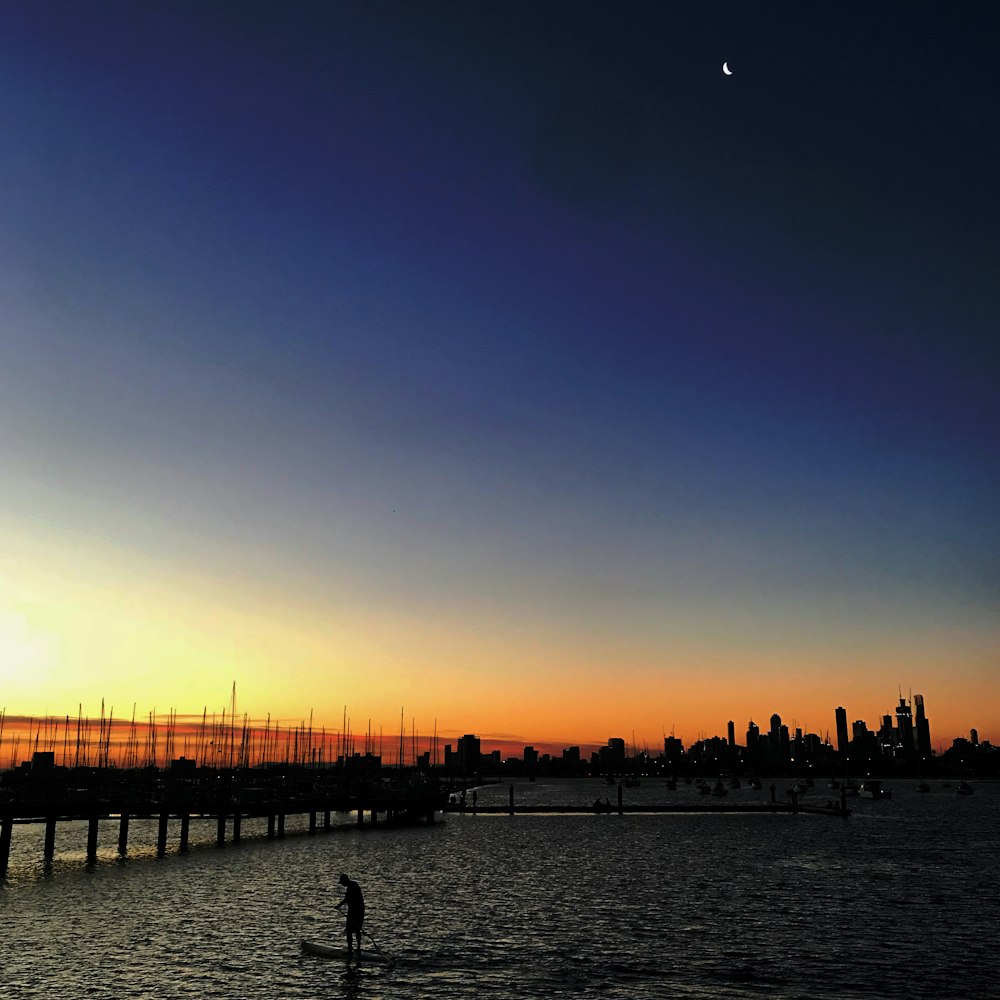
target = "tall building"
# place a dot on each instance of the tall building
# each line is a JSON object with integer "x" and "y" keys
{"x": 468, "y": 753}
{"x": 616, "y": 753}
{"x": 842, "y": 737}
{"x": 923, "y": 728}
{"x": 904, "y": 724}
{"x": 775, "y": 726}
{"x": 781, "y": 745}
{"x": 732, "y": 733}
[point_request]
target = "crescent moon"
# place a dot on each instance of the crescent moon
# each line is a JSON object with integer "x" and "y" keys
{"x": 726, "y": 69}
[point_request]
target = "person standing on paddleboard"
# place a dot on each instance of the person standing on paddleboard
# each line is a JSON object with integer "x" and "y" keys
{"x": 355, "y": 911}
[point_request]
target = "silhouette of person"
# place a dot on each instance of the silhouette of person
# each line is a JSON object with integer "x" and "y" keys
{"x": 355, "y": 911}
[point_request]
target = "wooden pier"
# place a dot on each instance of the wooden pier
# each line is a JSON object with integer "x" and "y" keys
{"x": 226, "y": 799}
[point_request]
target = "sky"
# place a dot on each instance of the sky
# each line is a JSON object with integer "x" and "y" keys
{"x": 507, "y": 364}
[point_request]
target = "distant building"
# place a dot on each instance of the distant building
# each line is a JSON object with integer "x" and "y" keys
{"x": 530, "y": 757}
{"x": 923, "y": 728}
{"x": 904, "y": 727}
{"x": 673, "y": 749}
{"x": 616, "y": 748}
{"x": 468, "y": 753}
{"x": 571, "y": 756}
{"x": 842, "y": 737}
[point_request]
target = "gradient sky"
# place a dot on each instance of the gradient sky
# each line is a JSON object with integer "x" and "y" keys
{"x": 504, "y": 362}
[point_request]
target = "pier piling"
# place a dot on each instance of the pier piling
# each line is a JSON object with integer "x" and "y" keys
{"x": 161, "y": 835}
{"x": 50, "y": 839}
{"x": 92, "y": 839}
{"x": 6, "y": 828}
{"x": 123, "y": 834}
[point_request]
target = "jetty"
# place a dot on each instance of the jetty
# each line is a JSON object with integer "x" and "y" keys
{"x": 460, "y": 804}
{"x": 225, "y": 797}
{"x": 622, "y": 809}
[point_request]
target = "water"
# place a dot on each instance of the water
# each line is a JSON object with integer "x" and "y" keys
{"x": 901, "y": 900}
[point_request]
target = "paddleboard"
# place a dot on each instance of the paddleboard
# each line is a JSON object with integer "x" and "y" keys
{"x": 340, "y": 951}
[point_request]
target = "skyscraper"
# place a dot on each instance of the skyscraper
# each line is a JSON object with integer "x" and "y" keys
{"x": 842, "y": 736}
{"x": 923, "y": 728}
{"x": 904, "y": 723}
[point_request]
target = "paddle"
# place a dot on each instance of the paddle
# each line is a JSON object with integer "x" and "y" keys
{"x": 309, "y": 916}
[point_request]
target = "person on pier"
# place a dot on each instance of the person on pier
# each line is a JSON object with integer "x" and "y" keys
{"x": 355, "y": 901}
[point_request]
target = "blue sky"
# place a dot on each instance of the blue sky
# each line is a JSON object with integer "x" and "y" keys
{"x": 522, "y": 315}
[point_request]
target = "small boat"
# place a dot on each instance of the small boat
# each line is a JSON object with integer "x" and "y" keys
{"x": 872, "y": 789}
{"x": 964, "y": 788}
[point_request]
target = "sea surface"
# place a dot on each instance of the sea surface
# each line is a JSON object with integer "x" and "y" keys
{"x": 901, "y": 900}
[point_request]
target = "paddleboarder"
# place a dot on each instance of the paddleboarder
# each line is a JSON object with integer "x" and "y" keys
{"x": 355, "y": 911}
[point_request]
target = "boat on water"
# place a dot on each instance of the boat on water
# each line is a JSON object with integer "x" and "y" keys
{"x": 964, "y": 788}
{"x": 871, "y": 788}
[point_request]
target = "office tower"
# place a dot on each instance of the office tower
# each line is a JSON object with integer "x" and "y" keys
{"x": 673, "y": 749}
{"x": 842, "y": 738}
{"x": 923, "y": 729}
{"x": 468, "y": 753}
{"x": 904, "y": 723}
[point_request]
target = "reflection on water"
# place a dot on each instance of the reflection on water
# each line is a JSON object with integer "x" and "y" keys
{"x": 889, "y": 903}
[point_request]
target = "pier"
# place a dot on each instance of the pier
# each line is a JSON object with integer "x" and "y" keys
{"x": 793, "y": 806}
{"x": 622, "y": 809}
{"x": 226, "y": 798}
